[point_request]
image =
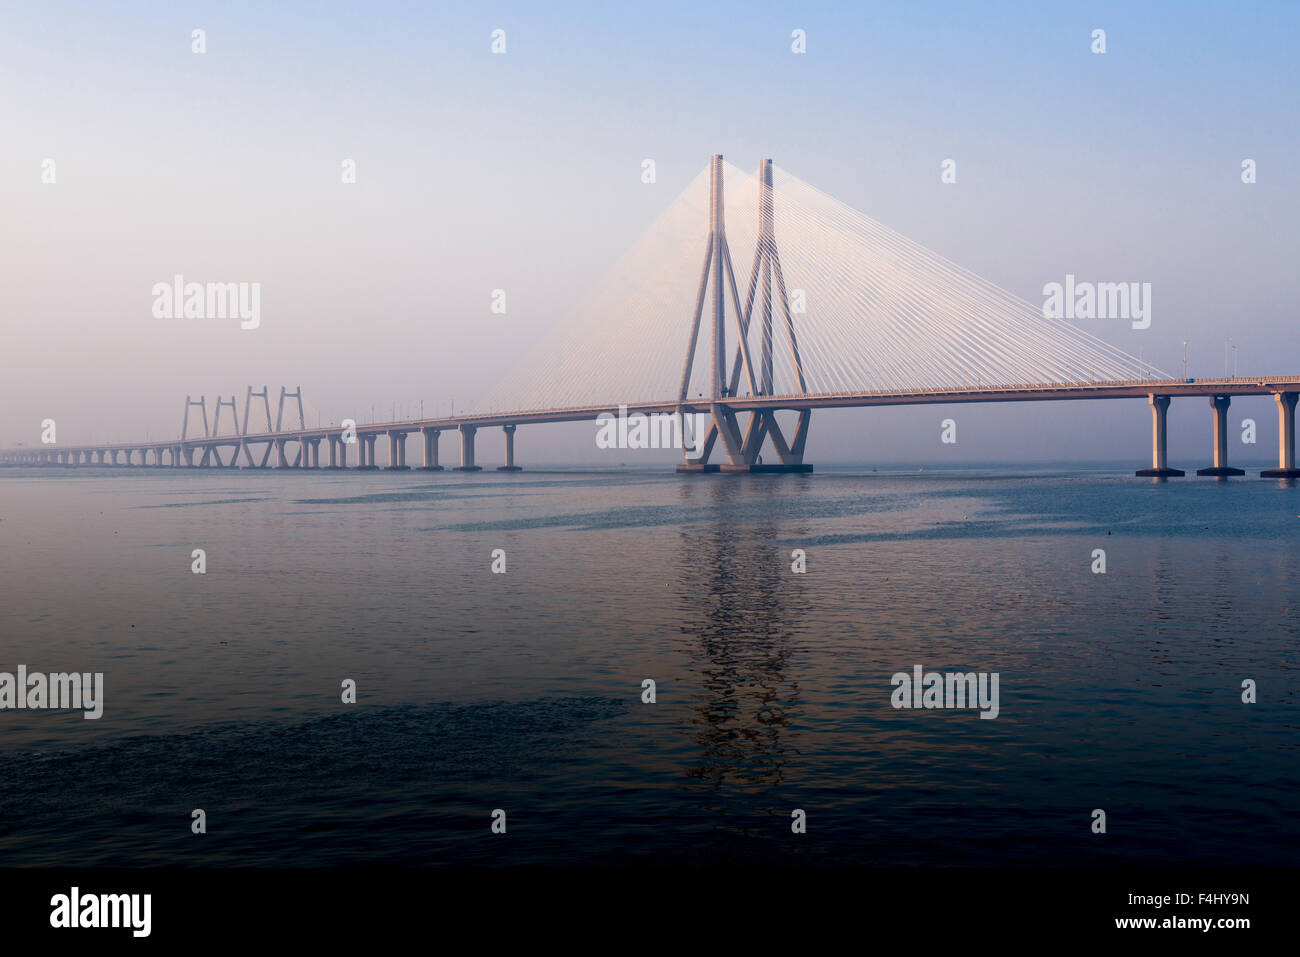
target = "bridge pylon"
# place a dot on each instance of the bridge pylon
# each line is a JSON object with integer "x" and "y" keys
{"x": 743, "y": 448}
{"x": 190, "y": 403}
{"x": 264, "y": 395}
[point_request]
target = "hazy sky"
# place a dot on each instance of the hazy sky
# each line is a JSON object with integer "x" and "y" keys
{"x": 522, "y": 171}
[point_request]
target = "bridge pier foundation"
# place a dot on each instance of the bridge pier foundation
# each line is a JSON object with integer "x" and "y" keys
{"x": 1220, "y": 468}
{"x": 743, "y": 451}
{"x": 467, "y": 449}
{"x": 510, "y": 466}
{"x": 1160, "y": 440}
{"x": 1286, "y": 403}
{"x": 431, "y": 437}
{"x": 397, "y": 452}
{"x": 366, "y": 453}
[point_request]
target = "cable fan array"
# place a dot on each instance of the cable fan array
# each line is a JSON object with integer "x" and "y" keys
{"x": 872, "y": 311}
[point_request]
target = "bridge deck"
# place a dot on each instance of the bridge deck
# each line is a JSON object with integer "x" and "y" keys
{"x": 1130, "y": 389}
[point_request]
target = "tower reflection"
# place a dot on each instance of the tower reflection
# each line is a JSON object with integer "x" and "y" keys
{"x": 741, "y": 602}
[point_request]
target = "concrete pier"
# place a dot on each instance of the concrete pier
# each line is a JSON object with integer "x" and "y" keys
{"x": 1286, "y": 402}
{"x": 510, "y": 466}
{"x": 467, "y": 449}
{"x": 397, "y": 451}
{"x": 366, "y": 453}
{"x": 1160, "y": 440}
{"x": 1219, "y": 405}
{"x": 430, "y": 450}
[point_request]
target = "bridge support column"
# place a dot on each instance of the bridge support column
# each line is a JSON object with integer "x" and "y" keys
{"x": 397, "y": 451}
{"x": 467, "y": 450}
{"x": 510, "y": 450}
{"x": 1286, "y": 402}
{"x": 366, "y": 452}
{"x": 1159, "y": 440}
{"x": 1219, "y": 404}
{"x": 281, "y": 460}
{"x": 334, "y": 451}
{"x": 431, "y": 450}
{"x": 742, "y": 451}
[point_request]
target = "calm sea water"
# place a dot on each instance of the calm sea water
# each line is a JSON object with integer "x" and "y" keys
{"x": 522, "y": 690}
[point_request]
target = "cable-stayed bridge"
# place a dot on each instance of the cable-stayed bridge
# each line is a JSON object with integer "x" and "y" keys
{"x": 827, "y": 308}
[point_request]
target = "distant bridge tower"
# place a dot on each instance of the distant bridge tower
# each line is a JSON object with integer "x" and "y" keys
{"x": 286, "y": 394}
{"x": 190, "y": 403}
{"x": 742, "y": 450}
{"x": 234, "y": 414}
{"x": 248, "y": 404}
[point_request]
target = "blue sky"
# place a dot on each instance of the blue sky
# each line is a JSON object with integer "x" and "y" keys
{"x": 522, "y": 171}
